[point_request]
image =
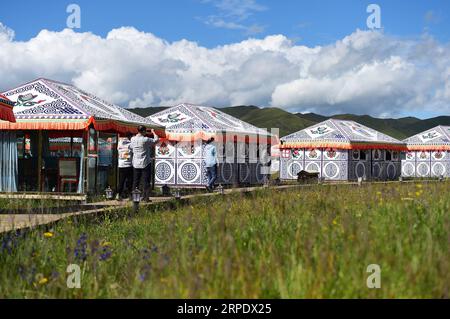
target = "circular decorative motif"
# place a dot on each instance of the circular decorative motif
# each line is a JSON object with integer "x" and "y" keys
{"x": 438, "y": 169}
{"x": 360, "y": 169}
{"x": 408, "y": 169}
{"x": 189, "y": 171}
{"x": 423, "y": 169}
{"x": 163, "y": 171}
{"x": 244, "y": 172}
{"x": 294, "y": 168}
{"x": 227, "y": 172}
{"x": 376, "y": 170}
{"x": 331, "y": 170}
{"x": 313, "y": 167}
{"x": 391, "y": 171}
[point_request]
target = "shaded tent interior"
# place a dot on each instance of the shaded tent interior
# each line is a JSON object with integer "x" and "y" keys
{"x": 340, "y": 150}
{"x": 243, "y": 149}
{"x": 428, "y": 154}
{"x": 64, "y": 139}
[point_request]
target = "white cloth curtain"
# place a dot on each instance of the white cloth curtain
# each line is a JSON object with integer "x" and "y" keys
{"x": 8, "y": 162}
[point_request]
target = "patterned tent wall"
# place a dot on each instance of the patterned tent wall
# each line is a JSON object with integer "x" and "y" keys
{"x": 340, "y": 150}
{"x": 181, "y": 162}
{"x": 340, "y": 165}
{"x": 426, "y": 164}
{"x": 428, "y": 154}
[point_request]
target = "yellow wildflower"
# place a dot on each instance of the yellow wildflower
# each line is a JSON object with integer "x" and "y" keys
{"x": 418, "y": 194}
{"x": 48, "y": 234}
{"x": 419, "y": 185}
{"x": 43, "y": 281}
{"x": 106, "y": 244}
{"x": 335, "y": 222}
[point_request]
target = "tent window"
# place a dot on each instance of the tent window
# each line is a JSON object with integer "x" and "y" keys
{"x": 388, "y": 156}
{"x": 362, "y": 155}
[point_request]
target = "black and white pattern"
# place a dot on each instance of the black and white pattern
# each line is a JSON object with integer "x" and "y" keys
{"x": 189, "y": 171}
{"x": 408, "y": 169}
{"x": 438, "y": 169}
{"x": 165, "y": 171}
{"x": 339, "y": 131}
{"x": 434, "y": 159}
{"x": 185, "y": 118}
{"x": 423, "y": 169}
{"x": 56, "y": 100}
{"x": 55, "y": 108}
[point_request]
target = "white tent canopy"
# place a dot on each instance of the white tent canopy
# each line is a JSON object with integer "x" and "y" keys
{"x": 342, "y": 134}
{"x": 48, "y": 104}
{"x": 437, "y": 138}
{"x": 186, "y": 121}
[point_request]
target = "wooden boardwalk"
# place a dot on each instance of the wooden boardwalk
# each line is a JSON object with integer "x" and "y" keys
{"x": 9, "y": 222}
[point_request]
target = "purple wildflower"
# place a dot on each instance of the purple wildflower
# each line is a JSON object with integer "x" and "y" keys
{"x": 80, "y": 250}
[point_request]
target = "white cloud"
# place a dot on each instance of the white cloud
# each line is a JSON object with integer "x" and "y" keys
{"x": 6, "y": 34}
{"x": 233, "y": 13}
{"x": 238, "y": 9}
{"x": 366, "y": 72}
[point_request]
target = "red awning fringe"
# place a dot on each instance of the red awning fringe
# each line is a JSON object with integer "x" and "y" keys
{"x": 428, "y": 147}
{"x": 345, "y": 146}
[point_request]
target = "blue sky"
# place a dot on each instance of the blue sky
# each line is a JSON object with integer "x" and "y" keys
{"x": 302, "y": 56}
{"x": 306, "y": 22}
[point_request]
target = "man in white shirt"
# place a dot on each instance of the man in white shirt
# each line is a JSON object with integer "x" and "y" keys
{"x": 210, "y": 153}
{"x": 141, "y": 146}
{"x": 125, "y": 166}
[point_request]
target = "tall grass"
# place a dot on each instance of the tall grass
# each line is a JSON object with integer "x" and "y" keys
{"x": 306, "y": 243}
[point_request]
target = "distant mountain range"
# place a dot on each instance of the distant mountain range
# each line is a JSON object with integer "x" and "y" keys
{"x": 292, "y": 122}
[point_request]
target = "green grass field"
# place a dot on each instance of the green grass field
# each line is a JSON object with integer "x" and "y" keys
{"x": 306, "y": 243}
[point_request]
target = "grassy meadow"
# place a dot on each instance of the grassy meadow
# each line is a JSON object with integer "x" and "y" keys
{"x": 313, "y": 242}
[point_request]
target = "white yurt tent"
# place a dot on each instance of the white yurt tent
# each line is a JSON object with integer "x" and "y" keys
{"x": 243, "y": 149}
{"x": 340, "y": 150}
{"x": 428, "y": 154}
{"x": 63, "y": 139}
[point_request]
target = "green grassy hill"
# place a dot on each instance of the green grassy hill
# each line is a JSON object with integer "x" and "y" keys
{"x": 269, "y": 118}
{"x": 287, "y": 122}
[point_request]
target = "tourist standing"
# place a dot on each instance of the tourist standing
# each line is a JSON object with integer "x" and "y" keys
{"x": 141, "y": 146}
{"x": 211, "y": 164}
{"x": 125, "y": 166}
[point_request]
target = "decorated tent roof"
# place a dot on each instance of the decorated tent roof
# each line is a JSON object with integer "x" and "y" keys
{"x": 340, "y": 134}
{"x": 189, "y": 121}
{"x": 48, "y": 104}
{"x": 6, "y": 109}
{"x": 435, "y": 139}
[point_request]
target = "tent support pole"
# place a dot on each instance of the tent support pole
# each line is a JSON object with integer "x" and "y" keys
{"x": 40, "y": 188}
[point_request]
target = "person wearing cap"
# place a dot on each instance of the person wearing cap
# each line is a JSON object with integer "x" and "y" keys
{"x": 141, "y": 146}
